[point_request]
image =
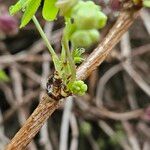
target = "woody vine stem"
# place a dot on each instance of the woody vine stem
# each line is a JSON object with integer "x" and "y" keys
{"x": 48, "y": 105}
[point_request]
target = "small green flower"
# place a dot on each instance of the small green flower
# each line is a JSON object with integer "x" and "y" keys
{"x": 88, "y": 15}
{"x": 77, "y": 87}
{"x": 85, "y": 38}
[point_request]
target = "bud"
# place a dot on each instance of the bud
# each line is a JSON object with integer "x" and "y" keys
{"x": 78, "y": 87}
{"x": 85, "y": 38}
{"x": 87, "y": 15}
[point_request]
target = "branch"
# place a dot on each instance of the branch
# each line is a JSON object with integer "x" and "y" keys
{"x": 47, "y": 105}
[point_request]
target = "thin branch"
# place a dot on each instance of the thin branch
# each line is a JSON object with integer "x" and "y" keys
{"x": 131, "y": 136}
{"x": 102, "y": 82}
{"x": 102, "y": 112}
{"x": 65, "y": 124}
{"x": 75, "y": 132}
{"x": 110, "y": 132}
{"x": 126, "y": 52}
{"x": 146, "y": 19}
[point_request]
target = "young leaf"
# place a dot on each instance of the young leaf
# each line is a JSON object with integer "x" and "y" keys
{"x": 29, "y": 12}
{"x": 49, "y": 11}
{"x": 15, "y": 8}
{"x": 77, "y": 55}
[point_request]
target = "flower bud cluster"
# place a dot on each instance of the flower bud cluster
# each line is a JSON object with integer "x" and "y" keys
{"x": 88, "y": 18}
{"x": 77, "y": 87}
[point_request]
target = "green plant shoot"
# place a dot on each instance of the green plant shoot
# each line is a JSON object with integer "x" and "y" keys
{"x": 80, "y": 29}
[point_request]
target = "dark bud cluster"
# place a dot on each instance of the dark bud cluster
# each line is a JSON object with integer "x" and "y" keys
{"x": 8, "y": 24}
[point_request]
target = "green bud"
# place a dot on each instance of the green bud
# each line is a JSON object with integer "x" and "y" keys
{"x": 101, "y": 20}
{"x": 81, "y": 38}
{"x": 87, "y": 15}
{"x": 65, "y": 6}
{"x": 85, "y": 38}
{"x": 94, "y": 35}
{"x": 77, "y": 87}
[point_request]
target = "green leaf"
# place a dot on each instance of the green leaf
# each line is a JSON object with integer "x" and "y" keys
{"x": 29, "y": 12}
{"x": 3, "y": 76}
{"x": 146, "y": 3}
{"x": 15, "y": 8}
{"x": 77, "y": 55}
{"x": 49, "y": 10}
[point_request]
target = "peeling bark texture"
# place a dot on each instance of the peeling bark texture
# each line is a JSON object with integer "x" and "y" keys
{"x": 45, "y": 108}
{"x": 47, "y": 105}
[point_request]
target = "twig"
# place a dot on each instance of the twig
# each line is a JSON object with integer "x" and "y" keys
{"x": 75, "y": 132}
{"x": 44, "y": 138}
{"x": 138, "y": 80}
{"x": 30, "y": 73}
{"x": 110, "y": 132}
{"x": 130, "y": 70}
{"x": 65, "y": 124}
{"x": 101, "y": 112}
{"x": 131, "y": 136}
{"x": 92, "y": 142}
{"x": 146, "y": 19}
{"x": 126, "y": 52}
{"x": 47, "y": 105}
{"x": 145, "y": 129}
{"x": 7, "y": 59}
{"x": 18, "y": 90}
{"x": 3, "y": 139}
{"x": 27, "y": 57}
{"x": 16, "y": 106}
{"x": 8, "y": 93}
{"x": 102, "y": 82}
{"x": 146, "y": 145}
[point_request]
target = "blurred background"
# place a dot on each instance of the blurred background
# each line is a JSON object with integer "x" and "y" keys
{"x": 118, "y": 90}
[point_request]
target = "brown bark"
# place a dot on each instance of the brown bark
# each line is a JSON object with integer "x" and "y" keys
{"x": 47, "y": 106}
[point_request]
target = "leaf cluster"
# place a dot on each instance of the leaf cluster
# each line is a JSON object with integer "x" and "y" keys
{"x": 29, "y": 8}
